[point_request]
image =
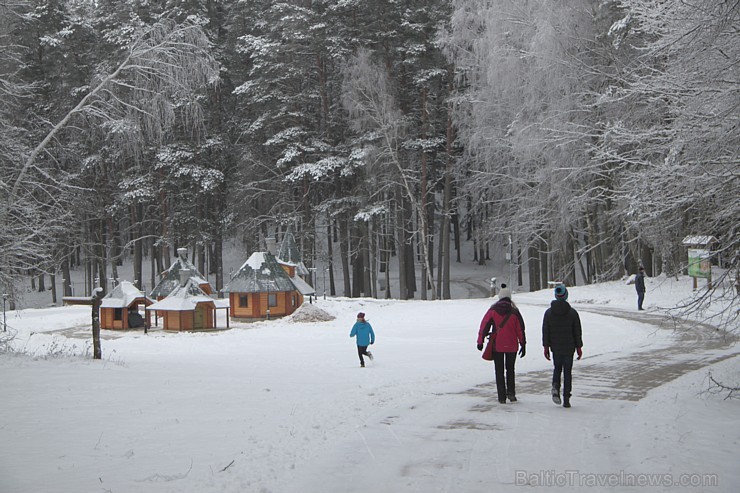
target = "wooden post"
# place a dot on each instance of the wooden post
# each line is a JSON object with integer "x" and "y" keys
{"x": 97, "y": 299}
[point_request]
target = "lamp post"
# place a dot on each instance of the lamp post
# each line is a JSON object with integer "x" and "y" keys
{"x": 510, "y": 254}
{"x": 312, "y": 270}
{"x": 323, "y": 275}
{"x": 5, "y": 322}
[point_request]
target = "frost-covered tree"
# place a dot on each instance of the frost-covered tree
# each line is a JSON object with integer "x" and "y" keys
{"x": 142, "y": 86}
{"x": 530, "y": 76}
{"x": 680, "y": 138}
{"x": 32, "y": 210}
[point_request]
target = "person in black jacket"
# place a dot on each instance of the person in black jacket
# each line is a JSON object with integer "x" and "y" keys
{"x": 640, "y": 287}
{"x": 561, "y": 334}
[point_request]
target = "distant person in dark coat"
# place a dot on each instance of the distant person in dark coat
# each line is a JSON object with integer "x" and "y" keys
{"x": 365, "y": 337}
{"x": 561, "y": 334}
{"x": 135, "y": 320}
{"x": 640, "y": 287}
{"x": 507, "y": 325}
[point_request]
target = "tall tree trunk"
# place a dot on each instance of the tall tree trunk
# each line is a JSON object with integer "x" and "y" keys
{"x": 372, "y": 261}
{"x": 408, "y": 226}
{"x": 456, "y": 229}
{"x": 534, "y": 266}
{"x": 100, "y": 256}
{"x": 66, "y": 281}
{"x": 519, "y": 274}
{"x": 153, "y": 262}
{"x": 112, "y": 249}
{"x": 344, "y": 251}
{"x": 97, "y": 299}
{"x": 357, "y": 259}
{"x": 330, "y": 254}
{"x": 426, "y": 260}
{"x": 365, "y": 252}
{"x": 544, "y": 253}
{"x": 217, "y": 262}
{"x": 444, "y": 246}
{"x": 440, "y": 257}
{"x": 387, "y": 252}
{"x": 138, "y": 246}
{"x": 53, "y": 282}
{"x": 570, "y": 254}
{"x": 401, "y": 249}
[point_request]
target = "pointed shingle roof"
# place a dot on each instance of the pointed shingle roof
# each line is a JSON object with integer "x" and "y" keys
{"x": 170, "y": 279}
{"x": 183, "y": 298}
{"x": 259, "y": 274}
{"x": 289, "y": 253}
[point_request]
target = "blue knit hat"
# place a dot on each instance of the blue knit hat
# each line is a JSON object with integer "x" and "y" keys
{"x": 561, "y": 292}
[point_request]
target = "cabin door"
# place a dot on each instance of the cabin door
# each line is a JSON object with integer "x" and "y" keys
{"x": 199, "y": 319}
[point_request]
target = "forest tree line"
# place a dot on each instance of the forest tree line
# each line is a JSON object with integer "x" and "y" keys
{"x": 589, "y": 135}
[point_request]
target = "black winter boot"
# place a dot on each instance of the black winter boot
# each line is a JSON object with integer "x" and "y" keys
{"x": 556, "y": 395}
{"x": 566, "y": 400}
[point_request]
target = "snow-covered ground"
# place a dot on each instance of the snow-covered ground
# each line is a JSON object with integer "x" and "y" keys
{"x": 283, "y": 406}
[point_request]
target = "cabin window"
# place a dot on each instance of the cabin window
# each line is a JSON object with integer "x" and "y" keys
{"x": 243, "y": 301}
{"x": 293, "y": 300}
{"x": 272, "y": 299}
{"x": 118, "y": 314}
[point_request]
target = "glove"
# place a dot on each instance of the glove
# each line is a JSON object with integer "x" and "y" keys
{"x": 480, "y": 347}
{"x": 523, "y": 351}
{"x": 580, "y": 352}
{"x": 547, "y": 353}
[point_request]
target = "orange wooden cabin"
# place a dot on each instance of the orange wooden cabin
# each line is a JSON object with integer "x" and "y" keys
{"x": 119, "y": 309}
{"x": 264, "y": 288}
{"x": 188, "y": 308}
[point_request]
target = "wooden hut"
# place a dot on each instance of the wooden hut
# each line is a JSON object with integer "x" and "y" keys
{"x": 119, "y": 309}
{"x": 264, "y": 288}
{"x": 170, "y": 279}
{"x": 188, "y": 307}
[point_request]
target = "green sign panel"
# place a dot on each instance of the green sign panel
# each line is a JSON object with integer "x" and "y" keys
{"x": 699, "y": 264}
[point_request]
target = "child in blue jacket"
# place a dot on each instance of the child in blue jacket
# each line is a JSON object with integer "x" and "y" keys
{"x": 365, "y": 337}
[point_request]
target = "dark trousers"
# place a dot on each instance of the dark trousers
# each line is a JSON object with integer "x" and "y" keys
{"x": 362, "y": 350}
{"x": 640, "y": 299}
{"x": 504, "y": 386}
{"x": 563, "y": 364}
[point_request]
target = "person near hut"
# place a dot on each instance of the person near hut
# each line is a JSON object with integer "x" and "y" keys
{"x": 561, "y": 334}
{"x": 505, "y": 324}
{"x": 365, "y": 337}
{"x": 135, "y": 320}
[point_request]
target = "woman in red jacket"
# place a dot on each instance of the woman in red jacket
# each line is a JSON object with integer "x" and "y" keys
{"x": 506, "y": 326}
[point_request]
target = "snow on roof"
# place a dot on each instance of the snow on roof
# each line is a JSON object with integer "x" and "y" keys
{"x": 183, "y": 298}
{"x": 255, "y": 261}
{"x": 222, "y": 303}
{"x": 171, "y": 277}
{"x": 259, "y": 274}
{"x": 699, "y": 240}
{"x": 302, "y": 286}
{"x": 122, "y": 296}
